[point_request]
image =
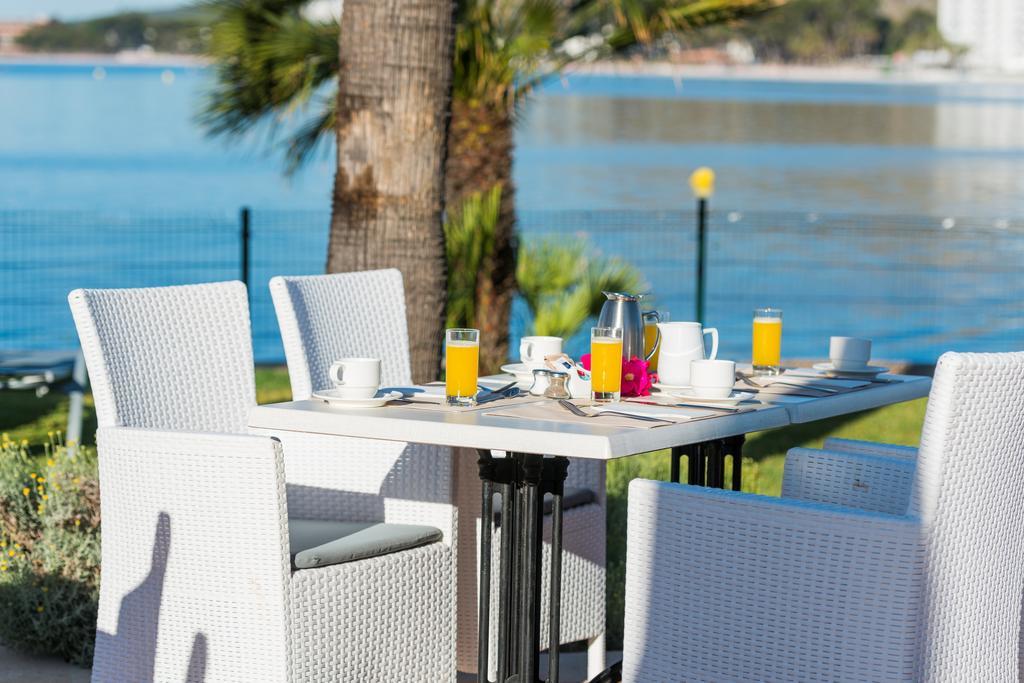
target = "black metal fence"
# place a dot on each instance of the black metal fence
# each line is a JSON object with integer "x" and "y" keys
{"x": 916, "y": 285}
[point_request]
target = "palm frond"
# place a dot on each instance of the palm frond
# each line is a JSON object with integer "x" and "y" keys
{"x": 469, "y": 239}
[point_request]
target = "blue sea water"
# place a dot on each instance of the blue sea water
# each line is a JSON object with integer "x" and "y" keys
{"x": 106, "y": 179}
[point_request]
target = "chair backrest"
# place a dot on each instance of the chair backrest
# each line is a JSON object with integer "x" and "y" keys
{"x": 969, "y": 493}
{"x": 168, "y": 357}
{"x": 327, "y": 317}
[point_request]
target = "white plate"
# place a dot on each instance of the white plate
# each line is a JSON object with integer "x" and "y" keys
{"x": 866, "y": 371}
{"x": 331, "y": 396}
{"x": 519, "y": 370}
{"x": 670, "y": 387}
{"x": 731, "y": 400}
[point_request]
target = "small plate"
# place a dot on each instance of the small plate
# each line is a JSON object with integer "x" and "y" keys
{"x": 670, "y": 387}
{"x": 731, "y": 400}
{"x": 520, "y": 370}
{"x": 331, "y": 396}
{"x": 866, "y": 371}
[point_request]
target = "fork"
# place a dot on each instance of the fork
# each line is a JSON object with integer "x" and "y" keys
{"x": 813, "y": 387}
{"x": 577, "y": 411}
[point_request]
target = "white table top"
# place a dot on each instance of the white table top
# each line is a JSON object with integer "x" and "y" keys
{"x": 802, "y": 409}
{"x": 475, "y": 429}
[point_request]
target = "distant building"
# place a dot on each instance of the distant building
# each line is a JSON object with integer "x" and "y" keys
{"x": 991, "y": 30}
{"x": 10, "y": 31}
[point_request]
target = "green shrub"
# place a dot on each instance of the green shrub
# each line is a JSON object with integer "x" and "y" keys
{"x": 49, "y": 549}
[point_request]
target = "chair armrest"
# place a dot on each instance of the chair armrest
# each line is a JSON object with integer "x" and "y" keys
{"x": 730, "y": 586}
{"x": 367, "y": 480}
{"x": 849, "y": 479}
{"x": 195, "y": 531}
{"x": 886, "y": 450}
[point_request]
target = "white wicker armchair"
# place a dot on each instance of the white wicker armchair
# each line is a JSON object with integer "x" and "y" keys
{"x": 323, "y": 318}
{"x": 180, "y": 358}
{"x": 727, "y": 586}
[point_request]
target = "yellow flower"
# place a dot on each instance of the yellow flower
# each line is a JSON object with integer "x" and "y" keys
{"x": 39, "y": 510}
{"x": 25, "y": 492}
{"x": 46, "y": 497}
{"x": 10, "y": 553}
{"x": 49, "y": 462}
{"x": 75, "y": 480}
{"x": 40, "y": 480}
{"x": 39, "y": 608}
{"x": 78, "y": 522}
{"x": 24, "y": 442}
{"x": 32, "y": 475}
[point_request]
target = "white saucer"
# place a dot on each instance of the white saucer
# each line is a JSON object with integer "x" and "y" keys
{"x": 670, "y": 387}
{"x": 521, "y": 371}
{"x": 331, "y": 396}
{"x": 866, "y": 371}
{"x": 731, "y": 400}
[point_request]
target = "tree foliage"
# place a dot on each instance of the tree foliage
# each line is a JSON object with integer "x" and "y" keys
{"x": 182, "y": 32}
{"x": 274, "y": 64}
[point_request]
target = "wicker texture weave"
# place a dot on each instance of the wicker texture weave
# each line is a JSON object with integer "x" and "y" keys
{"x": 849, "y": 479}
{"x": 215, "y": 594}
{"x": 885, "y": 450}
{"x": 181, "y": 358}
{"x": 810, "y": 591}
{"x": 348, "y": 315}
{"x": 327, "y": 317}
{"x": 168, "y": 357}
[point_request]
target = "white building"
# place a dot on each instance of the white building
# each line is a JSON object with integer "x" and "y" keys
{"x": 992, "y": 30}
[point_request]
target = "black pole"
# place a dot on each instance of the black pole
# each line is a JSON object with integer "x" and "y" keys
{"x": 702, "y": 218}
{"x": 245, "y": 218}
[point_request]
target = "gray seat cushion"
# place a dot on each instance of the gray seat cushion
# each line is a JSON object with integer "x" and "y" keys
{"x": 318, "y": 543}
{"x": 573, "y": 497}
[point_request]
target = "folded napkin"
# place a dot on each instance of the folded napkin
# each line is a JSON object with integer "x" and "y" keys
{"x": 549, "y": 410}
{"x": 788, "y": 384}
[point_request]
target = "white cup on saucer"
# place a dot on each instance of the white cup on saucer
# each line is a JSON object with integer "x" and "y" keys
{"x": 533, "y": 350}
{"x": 355, "y": 377}
{"x": 849, "y": 353}
{"x": 712, "y": 378}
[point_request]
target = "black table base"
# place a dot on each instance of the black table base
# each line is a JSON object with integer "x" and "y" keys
{"x": 522, "y": 480}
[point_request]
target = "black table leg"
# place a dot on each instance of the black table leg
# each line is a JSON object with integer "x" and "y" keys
{"x": 522, "y": 479}
{"x": 706, "y": 462}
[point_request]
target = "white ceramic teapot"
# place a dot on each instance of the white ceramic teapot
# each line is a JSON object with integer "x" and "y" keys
{"x": 680, "y": 344}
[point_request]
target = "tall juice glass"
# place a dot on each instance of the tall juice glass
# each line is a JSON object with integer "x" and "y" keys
{"x": 767, "y": 341}
{"x": 462, "y": 361}
{"x": 606, "y": 364}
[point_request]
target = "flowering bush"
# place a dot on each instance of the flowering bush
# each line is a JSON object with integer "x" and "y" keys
{"x": 49, "y": 549}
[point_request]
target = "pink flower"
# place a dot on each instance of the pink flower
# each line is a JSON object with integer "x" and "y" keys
{"x": 585, "y": 361}
{"x": 636, "y": 380}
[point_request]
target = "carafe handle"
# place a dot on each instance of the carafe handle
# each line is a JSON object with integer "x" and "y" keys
{"x": 657, "y": 339}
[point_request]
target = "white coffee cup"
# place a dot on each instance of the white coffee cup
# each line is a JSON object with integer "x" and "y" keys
{"x": 712, "y": 378}
{"x": 532, "y": 350}
{"x": 355, "y": 377}
{"x": 849, "y": 353}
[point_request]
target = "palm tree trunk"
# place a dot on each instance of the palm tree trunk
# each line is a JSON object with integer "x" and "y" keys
{"x": 393, "y": 101}
{"x": 480, "y": 144}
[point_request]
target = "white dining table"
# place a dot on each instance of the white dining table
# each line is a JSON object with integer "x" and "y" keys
{"x": 536, "y": 462}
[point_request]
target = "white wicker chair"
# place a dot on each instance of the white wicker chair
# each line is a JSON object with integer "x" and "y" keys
{"x": 180, "y": 358}
{"x": 727, "y": 586}
{"x": 326, "y": 317}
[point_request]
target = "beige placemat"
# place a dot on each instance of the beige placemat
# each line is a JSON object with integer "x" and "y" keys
{"x": 550, "y": 411}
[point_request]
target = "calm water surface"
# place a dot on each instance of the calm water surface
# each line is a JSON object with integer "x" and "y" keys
{"x": 126, "y": 145}
{"x": 129, "y": 140}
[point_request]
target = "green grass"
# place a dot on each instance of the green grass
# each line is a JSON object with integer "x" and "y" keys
{"x": 22, "y": 415}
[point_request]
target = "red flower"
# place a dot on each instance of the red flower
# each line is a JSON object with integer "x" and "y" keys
{"x": 636, "y": 379}
{"x": 585, "y": 361}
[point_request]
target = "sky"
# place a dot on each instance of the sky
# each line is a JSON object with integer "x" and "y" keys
{"x": 77, "y": 9}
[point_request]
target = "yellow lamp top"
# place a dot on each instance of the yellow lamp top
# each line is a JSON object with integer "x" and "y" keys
{"x": 702, "y": 182}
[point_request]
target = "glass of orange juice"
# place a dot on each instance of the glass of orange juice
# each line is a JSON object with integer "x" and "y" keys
{"x": 767, "y": 341}
{"x": 606, "y": 364}
{"x": 462, "y": 361}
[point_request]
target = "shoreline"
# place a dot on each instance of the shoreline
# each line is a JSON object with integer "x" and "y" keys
{"x": 847, "y": 72}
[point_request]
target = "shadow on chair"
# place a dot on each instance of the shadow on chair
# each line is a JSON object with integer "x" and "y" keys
{"x": 133, "y": 647}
